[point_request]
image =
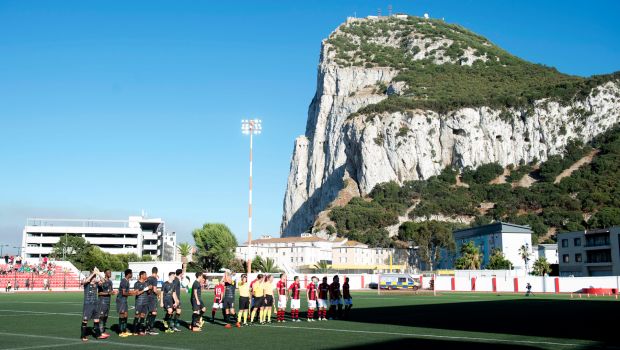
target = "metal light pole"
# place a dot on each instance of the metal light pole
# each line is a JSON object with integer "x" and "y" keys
{"x": 250, "y": 127}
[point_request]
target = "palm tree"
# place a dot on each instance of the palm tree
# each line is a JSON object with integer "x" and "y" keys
{"x": 321, "y": 266}
{"x": 264, "y": 264}
{"x": 269, "y": 265}
{"x": 541, "y": 267}
{"x": 470, "y": 257}
{"x": 185, "y": 250}
{"x": 525, "y": 254}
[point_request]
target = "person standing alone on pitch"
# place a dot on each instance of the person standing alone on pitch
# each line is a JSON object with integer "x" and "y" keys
{"x": 90, "y": 310}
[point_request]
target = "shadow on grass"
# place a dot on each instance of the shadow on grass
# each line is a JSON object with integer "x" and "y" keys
{"x": 563, "y": 319}
{"x": 411, "y": 343}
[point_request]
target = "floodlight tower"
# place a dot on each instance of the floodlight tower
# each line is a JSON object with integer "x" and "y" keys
{"x": 250, "y": 127}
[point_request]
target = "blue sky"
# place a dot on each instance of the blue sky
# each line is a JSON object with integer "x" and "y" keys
{"x": 110, "y": 107}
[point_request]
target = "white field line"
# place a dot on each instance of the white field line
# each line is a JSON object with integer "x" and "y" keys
{"x": 39, "y": 302}
{"x": 102, "y": 342}
{"x": 47, "y": 346}
{"x": 432, "y": 336}
{"x": 41, "y": 312}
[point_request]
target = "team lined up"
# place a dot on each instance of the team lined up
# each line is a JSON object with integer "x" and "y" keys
{"x": 255, "y": 298}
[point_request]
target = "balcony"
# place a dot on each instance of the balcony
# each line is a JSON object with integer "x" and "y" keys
{"x": 598, "y": 263}
{"x": 597, "y": 246}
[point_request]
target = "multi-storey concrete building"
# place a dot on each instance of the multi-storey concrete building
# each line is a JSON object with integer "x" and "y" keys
{"x": 303, "y": 253}
{"x": 138, "y": 235}
{"x": 590, "y": 253}
{"x": 508, "y": 238}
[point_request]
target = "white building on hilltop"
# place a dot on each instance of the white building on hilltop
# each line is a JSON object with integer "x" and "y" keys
{"x": 138, "y": 235}
{"x": 303, "y": 253}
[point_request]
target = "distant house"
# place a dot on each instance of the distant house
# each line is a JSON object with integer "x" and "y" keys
{"x": 590, "y": 253}
{"x": 548, "y": 251}
{"x": 506, "y": 237}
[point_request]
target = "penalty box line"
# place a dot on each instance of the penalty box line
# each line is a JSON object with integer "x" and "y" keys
{"x": 102, "y": 342}
{"x": 433, "y": 336}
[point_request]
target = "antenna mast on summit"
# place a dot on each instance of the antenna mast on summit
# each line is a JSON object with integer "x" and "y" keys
{"x": 389, "y": 10}
{"x": 379, "y": 12}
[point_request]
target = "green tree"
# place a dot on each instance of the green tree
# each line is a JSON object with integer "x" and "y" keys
{"x": 215, "y": 245}
{"x": 498, "y": 261}
{"x": 541, "y": 267}
{"x": 236, "y": 265}
{"x": 469, "y": 257}
{"x": 605, "y": 217}
{"x": 430, "y": 237}
{"x": 73, "y": 249}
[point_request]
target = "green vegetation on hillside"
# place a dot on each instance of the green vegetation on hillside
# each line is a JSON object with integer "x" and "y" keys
{"x": 588, "y": 198}
{"x": 495, "y": 78}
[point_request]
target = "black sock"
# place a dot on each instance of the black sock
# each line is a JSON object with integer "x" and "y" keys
{"x": 104, "y": 320}
{"x": 194, "y": 320}
{"x": 84, "y": 329}
{"x": 96, "y": 329}
{"x": 175, "y": 320}
{"x": 141, "y": 324}
{"x": 135, "y": 324}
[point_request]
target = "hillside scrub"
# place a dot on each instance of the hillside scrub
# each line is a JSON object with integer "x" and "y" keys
{"x": 593, "y": 189}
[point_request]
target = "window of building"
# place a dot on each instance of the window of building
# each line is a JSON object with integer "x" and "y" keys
{"x": 577, "y": 242}
{"x": 565, "y": 258}
{"x": 577, "y": 257}
{"x": 291, "y": 259}
{"x": 564, "y": 243}
{"x": 301, "y": 259}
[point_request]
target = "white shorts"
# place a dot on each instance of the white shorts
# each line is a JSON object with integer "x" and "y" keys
{"x": 336, "y": 301}
{"x": 348, "y": 301}
{"x": 218, "y": 305}
{"x": 282, "y": 302}
{"x": 311, "y": 304}
{"x": 323, "y": 303}
{"x": 295, "y": 303}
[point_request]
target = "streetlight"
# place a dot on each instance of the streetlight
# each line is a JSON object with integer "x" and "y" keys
{"x": 250, "y": 127}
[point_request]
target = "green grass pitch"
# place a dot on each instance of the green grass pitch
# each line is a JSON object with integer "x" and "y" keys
{"x": 448, "y": 320}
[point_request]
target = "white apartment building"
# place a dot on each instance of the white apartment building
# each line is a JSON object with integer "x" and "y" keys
{"x": 138, "y": 235}
{"x": 303, "y": 253}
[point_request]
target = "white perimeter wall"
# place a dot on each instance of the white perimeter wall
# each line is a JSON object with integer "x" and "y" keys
{"x": 507, "y": 284}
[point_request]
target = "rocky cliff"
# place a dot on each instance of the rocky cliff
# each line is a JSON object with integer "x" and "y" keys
{"x": 401, "y": 98}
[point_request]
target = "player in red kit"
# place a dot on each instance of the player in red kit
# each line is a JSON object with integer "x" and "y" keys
{"x": 311, "y": 293}
{"x": 294, "y": 290}
{"x": 323, "y": 289}
{"x": 281, "y": 286}
{"x": 346, "y": 295}
{"x": 218, "y": 295}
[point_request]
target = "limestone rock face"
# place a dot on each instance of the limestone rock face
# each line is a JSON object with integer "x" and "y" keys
{"x": 417, "y": 144}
